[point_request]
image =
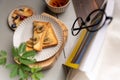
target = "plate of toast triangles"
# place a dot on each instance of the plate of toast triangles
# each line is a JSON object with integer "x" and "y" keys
{"x": 40, "y": 33}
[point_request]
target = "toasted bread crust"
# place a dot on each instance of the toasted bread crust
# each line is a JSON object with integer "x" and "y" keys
{"x": 25, "y": 12}
{"x": 29, "y": 48}
{"x": 29, "y": 45}
{"x": 50, "y": 37}
{"x": 39, "y": 31}
{"x": 43, "y": 36}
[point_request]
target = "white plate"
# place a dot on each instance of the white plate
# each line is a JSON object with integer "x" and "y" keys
{"x": 24, "y": 32}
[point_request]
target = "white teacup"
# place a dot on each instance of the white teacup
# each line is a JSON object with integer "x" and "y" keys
{"x": 57, "y": 6}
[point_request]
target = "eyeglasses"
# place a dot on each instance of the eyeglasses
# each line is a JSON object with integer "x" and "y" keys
{"x": 94, "y": 22}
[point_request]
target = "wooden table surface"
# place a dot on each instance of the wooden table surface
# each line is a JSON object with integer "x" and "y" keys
{"x": 6, "y": 35}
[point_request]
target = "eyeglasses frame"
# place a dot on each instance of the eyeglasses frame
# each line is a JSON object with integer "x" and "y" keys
{"x": 84, "y": 26}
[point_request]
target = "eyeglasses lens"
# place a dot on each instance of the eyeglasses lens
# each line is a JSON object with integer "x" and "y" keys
{"x": 77, "y": 26}
{"x": 96, "y": 20}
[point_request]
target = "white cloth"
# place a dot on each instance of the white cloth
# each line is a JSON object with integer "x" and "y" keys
{"x": 107, "y": 66}
{"x": 109, "y": 62}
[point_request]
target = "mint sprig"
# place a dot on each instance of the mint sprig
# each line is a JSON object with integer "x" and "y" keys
{"x": 22, "y": 56}
{"x": 20, "y": 70}
{"x": 22, "y": 60}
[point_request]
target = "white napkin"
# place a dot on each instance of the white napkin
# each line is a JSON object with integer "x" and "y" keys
{"x": 109, "y": 68}
{"x": 109, "y": 61}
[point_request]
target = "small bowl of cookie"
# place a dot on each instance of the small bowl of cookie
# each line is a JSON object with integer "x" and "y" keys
{"x": 18, "y": 15}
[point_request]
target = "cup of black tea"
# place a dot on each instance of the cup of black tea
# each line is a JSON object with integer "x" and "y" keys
{"x": 57, "y": 6}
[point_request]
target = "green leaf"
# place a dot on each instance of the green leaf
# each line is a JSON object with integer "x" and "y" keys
{"x": 26, "y": 61}
{"x": 34, "y": 70}
{"x": 3, "y": 53}
{"x": 29, "y": 54}
{"x": 39, "y": 75}
{"x": 25, "y": 68}
{"x": 34, "y": 77}
{"x": 11, "y": 66}
{"x": 22, "y": 48}
{"x": 14, "y": 72}
{"x": 15, "y": 52}
{"x": 14, "y": 69}
{"x": 2, "y": 61}
{"x": 3, "y": 57}
{"x": 21, "y": 79}
{"x": 25, "y": 77}
{"x": 36, "y": 74}
{"x": 21, "y": 73}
